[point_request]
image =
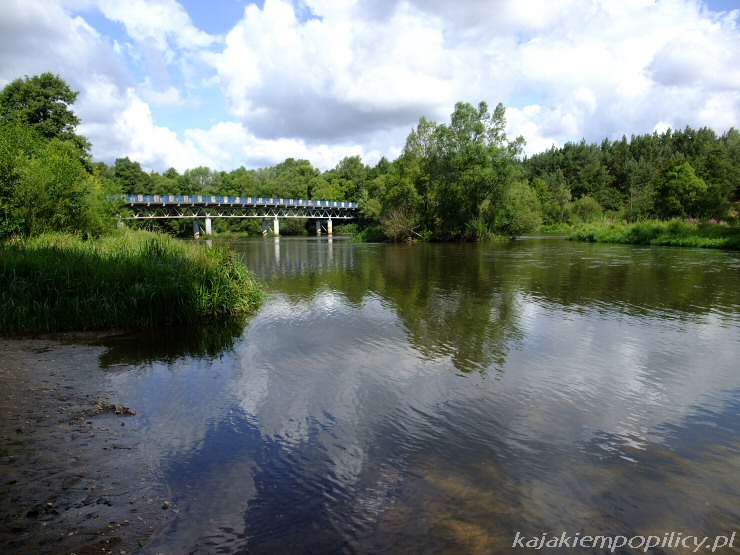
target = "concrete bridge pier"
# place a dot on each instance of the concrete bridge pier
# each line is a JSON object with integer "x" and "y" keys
{"x": 318, "y": 227}
{"x": 328, "y": 227}
{"x": 197, "y": 229}
{"x": 275, "y": 227}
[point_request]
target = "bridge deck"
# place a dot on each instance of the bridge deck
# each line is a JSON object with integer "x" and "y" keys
{"x": 184, "y": 206}
{"x": 177, "y": 200}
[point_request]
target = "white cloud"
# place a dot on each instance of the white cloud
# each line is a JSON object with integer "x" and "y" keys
{"x": 158, "y": 21}
{"x": 322, "y": 79}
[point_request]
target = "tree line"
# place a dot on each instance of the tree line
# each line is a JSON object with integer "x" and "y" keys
{"x": 462, "y": 180}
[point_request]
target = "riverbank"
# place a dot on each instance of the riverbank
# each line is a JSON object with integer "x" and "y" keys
{"x": 127, "y": 280}
{"x": 75, "y": 478}
{"x": 677, "y": 233}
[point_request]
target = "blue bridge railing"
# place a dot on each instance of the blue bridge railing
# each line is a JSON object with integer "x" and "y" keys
{"x": 174, "y": 200}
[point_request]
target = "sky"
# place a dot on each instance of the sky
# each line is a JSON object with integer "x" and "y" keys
{"x": 230, "y": 83}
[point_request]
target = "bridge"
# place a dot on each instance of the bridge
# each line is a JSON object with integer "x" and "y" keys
{"x": 149, "y": 207}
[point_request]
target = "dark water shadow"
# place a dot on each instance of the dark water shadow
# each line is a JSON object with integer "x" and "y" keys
{"x": 209, "y": 341}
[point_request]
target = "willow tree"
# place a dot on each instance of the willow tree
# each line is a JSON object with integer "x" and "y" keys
{"x": 473, "y": 165}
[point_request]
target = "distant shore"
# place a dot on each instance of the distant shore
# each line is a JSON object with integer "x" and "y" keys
{"x": 676, "y": 233}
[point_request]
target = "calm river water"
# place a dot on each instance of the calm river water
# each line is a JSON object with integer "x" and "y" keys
{"x": 443, "y": 398}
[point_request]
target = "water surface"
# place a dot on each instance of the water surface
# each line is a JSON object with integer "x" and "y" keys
{"x": 441, "y": 398}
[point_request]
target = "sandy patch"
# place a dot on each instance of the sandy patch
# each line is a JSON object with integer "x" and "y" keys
{"x": 73, "y": 476}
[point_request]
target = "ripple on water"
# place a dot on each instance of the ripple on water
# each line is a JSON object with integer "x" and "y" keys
{"x": 446, "y": 415}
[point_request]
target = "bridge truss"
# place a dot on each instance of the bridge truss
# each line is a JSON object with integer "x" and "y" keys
{"x": 147, "y": 207}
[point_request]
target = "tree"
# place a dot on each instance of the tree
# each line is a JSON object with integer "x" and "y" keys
{"x": 321, "y": 189}
{"x": 587, "y": 209}
{"x": 679, "y": 191}
{"x": 474, "y": 165}
{"x": 520, "y": 210}
{"x": 415, "y": 168}
{"x": 291, "y": 178}
{"x": 46, "y": 177}
{"x": 44, "y": 185}
{"x": 239, "y": 183}
{"x": 641, "y": 200}
{"x": 554, "y": 197}
{"x": 200, "y": 181}
{"x": 43, "y": 102}
{"x": 130, "y": 177}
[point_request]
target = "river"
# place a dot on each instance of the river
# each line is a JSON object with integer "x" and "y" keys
{"x": 449, "y": 398}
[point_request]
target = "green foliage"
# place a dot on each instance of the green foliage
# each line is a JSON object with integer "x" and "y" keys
{"x": 129, "y": 176}
{"x": 460, "y": 180}
{"x": 46, "y": 181}
{"x": 45, "y": 187}
{"x": 125, "y": 280}
{"x": 42, "y": 102}
{"x": 679, "y": 191}
{"x": 586, "y": 209}
{"x": 371, "y": 234}
{"x": 199, "y": 181}
{"x": 471, "y": 167}
{"x": 675, "y": 232}
{"x": 553, "y": 195}
{"x": 321, "y": 189}
{"x": 520, "y": 211}
{"x": 676, "y": 173}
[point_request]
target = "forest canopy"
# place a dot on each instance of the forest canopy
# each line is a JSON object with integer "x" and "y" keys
{"x": 463, "y": 179}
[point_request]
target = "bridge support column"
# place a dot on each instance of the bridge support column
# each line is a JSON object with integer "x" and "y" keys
{"x": 318, "y": 227}
{"x": 328, "y": 227}
{"x": 276, "y": 227}
{"x": 208, "y": 226}
{"x": 265, "y": 228}
{"x": 196, "y": 229}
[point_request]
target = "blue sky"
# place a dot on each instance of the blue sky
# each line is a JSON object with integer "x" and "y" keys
{"x": 230, "y": 83}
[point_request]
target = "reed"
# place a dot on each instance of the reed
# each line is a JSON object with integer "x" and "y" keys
{"x": 127, "y": 280}
{"x": 676, "y": 232}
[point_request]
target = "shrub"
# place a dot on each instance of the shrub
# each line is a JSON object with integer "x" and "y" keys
{"x": 127, "y": 280}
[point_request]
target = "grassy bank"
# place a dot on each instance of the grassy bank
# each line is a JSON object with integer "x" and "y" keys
{"x": 677, "y": 233}
{"x": 129, "y": 280}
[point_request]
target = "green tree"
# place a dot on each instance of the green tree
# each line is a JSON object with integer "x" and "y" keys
{"x": 321, "y": 189}
{"x": 353, "y": 175}
{"x": 44, "y": 185}
{"x": 47, "y": 182}
{"x": 586, "y": 209}
{"x": 239, "y": 183}
{"x": 520, "y": 210}
{"x": 200, "y": 181}
{"x": 641, "y": 191}
{"x": 291, "y": 179}
{"x": 679, "y": 191}
{"x": 131, "y": 179}
{"x": 43, "y": 102}
{"x": 474, "y": 165}
{"x": 415, "y": 168}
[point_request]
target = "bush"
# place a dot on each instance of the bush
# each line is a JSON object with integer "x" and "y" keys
{"x": 586, "y": 209}
{"x": 127, "y": 280}
{"x": 372, "y": 234}
{"x": 676, "y": 232}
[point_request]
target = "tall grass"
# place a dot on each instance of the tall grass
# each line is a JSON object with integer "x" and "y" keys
{"x": 128, "y": 280}
{"x": 678, "y": 233}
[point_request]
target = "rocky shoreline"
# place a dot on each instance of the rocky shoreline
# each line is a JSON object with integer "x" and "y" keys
{"x": 75, "y": 478}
